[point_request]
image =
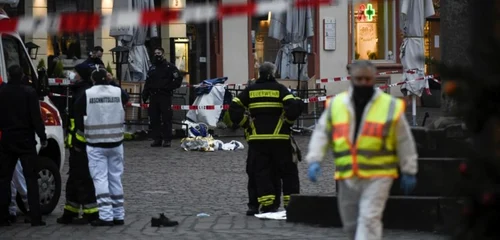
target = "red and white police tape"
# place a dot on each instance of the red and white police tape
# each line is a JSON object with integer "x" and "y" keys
{"x": 73, "y": 22}
{"x": 341, "y": 79}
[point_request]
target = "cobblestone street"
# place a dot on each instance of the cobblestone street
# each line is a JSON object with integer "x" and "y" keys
{"x": 182, "y": 184}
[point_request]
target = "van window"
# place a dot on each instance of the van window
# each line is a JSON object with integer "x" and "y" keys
{"x": 15, "y": 54}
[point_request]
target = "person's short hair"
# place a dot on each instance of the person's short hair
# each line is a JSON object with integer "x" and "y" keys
{"x": 98, "y": 49}
{"x": 15, "y": 73}
{"x": 160, "y": 48}
{"x": 267, "y": 69}
{"x": 361, "y": 64}
{"x": 99, "y": 75}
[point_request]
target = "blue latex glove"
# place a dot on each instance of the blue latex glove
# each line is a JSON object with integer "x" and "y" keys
{"x": 408, "y": 183}
{"x": 314, "y": 171}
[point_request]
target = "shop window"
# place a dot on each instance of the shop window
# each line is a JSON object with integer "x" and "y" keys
{"x": 373, "y": 30}
{"x": 266, "y": 49}
{"x": 70, "y": 45}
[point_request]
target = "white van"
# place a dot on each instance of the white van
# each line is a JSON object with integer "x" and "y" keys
{"x": 13, "y": 52}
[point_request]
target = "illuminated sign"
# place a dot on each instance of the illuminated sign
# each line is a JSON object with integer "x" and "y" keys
{"x": 365, "y": 13}
{"x": 369, "y": 12}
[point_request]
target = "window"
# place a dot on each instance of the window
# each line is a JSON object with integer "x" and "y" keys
{"x": 269, "y": 49}
{"x": 373, "y": 30}
{"x": 15, "y": 54}
{"x": 70, "y": 45}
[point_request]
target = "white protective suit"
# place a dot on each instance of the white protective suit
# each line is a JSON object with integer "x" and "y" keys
{"x": 361, "y": 202}
{"x": 18, "y": 185}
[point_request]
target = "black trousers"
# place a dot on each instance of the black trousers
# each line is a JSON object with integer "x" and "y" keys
{"x": 267, "y": 156}
{"x": 252, "y": 183}
{"x": 80, "y": 191}
{"x": 10, "y": 152}
{"x": 160, "y": 116}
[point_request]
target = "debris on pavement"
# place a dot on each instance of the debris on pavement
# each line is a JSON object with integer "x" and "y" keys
{"x": 163, "y": 221}
{"x": 202, "y": 215}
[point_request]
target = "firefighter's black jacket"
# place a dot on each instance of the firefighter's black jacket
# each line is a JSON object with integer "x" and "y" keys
{"x": 75, "y": 133}
{"x": 273, "y": 109}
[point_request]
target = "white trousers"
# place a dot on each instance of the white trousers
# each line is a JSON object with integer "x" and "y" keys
{"x": 361, "y": 206}
{"x": 106, "y": 169}
{"x": 18, "y": 185}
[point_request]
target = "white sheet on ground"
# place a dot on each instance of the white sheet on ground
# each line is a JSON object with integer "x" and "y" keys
{"x": 211, "y": 116}
{"x": 272, "y": 216}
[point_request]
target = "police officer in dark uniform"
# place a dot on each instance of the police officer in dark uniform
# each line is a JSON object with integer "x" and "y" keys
{"x": 80, "y": 192}
{"x": 18, "y": 125}
{"x": 273, "y": 109}
{"x": 95, "y": 57}
{"x": 163, "y": 78}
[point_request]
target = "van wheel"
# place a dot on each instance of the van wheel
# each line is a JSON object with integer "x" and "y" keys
{"x": 49, "y": 187}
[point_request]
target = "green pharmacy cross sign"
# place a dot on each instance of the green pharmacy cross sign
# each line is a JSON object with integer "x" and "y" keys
{"x": 369, "y": 12}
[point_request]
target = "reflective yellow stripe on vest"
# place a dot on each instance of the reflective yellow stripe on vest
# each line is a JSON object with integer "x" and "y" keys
{"x": 374, "y": 154}
{"x": 69, "y": 138}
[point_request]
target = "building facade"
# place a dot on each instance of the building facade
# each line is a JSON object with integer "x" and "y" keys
{"x": 336, "y": 35}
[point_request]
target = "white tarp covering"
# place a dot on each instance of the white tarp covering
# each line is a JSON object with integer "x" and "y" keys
{"x": 211, "y": 116}
{"x": 272, "y": 215}
{"x": 413, "y": 17}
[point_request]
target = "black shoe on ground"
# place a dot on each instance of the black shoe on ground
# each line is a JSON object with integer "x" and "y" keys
{"x": 5, "y": 223}
{"x": 268, "y": 209}
{"x": 156, "y": 144}
{"x": 65, "y": 219}
{"x": 38, "y": 223}
{"x": 252, "y": 211}
{"x": 118, "y": 222}
{"x": 90, "y": 217}
{"x": 12, "y": 218}
{"x": 102, "y": 223}
{"x": 167, "y": 144}
{"x": 163, "y": 221}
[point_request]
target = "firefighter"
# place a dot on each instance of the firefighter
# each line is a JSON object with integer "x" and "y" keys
{"x": 100, "y": 109}
{"x": 371, "y": 138}
{"x": 272, "y": 112}
{"x": 80, "y": 191}
{"x": 163, "y": 78}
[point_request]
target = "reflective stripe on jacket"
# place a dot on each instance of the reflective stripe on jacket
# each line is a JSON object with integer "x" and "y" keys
{"x": 73, "y": 133}
{"x": 105, "y": 115}
{"x": 374, "y": 153}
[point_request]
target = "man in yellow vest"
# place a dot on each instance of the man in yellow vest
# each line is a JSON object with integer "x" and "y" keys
{"x": 371, "y": 139}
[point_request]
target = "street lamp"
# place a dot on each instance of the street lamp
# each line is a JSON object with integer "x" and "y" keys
{"x": 299, "y": 57}
{"x": 32, "y": 49}
{"x": 120, "y": 57}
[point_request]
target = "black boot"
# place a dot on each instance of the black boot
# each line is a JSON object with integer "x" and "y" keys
{"x": 268, "y": 209}
{"x": 167, "y": 144}
{"x": 102, "y": 223}
{"x": 12, "y": 218}
{"x": 156, "y": 143}
{"x": 118, "y": 222}
{"x": 252, "y": 210}
{"x": 91, "y": 217}
{"x": 67, "y": 217}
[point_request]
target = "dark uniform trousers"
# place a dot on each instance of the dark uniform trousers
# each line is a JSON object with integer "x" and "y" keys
{"x": 25, "y": 150}
{"x": 277, "y": 156}
{"x": 252, "y": 183}
{"x": 160, "y": 115}
{"x": 80, "y": 191}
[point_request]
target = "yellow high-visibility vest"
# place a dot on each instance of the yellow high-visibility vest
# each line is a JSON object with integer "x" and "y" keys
{"x": 374, "y": 152}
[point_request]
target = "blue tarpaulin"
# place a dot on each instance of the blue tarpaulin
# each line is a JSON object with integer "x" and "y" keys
{"x": 206, "y": 86}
